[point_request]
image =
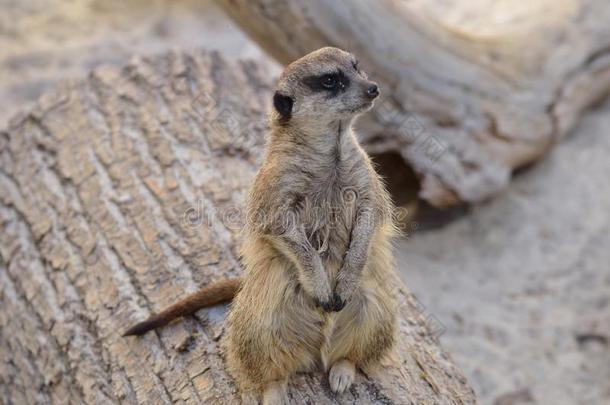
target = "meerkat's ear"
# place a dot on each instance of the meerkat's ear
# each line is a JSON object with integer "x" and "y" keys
{"x": 283, "y": 105}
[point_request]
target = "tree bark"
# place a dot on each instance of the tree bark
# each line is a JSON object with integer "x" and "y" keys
{"x": 466, "y": 102}
{"x": 120, "y": 194}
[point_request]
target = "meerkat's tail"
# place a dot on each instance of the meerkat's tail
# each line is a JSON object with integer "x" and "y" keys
{"x": 215, "y": 293}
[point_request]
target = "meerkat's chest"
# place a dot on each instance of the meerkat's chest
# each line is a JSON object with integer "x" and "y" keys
{"x": 328, "y": 218}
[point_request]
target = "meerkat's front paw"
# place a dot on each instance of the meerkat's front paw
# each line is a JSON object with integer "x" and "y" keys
{"x": 341, "y": 376}
{"x": 322, "y": 294}
{"x": 333, "y": 304}
{"x": 338, "y": 302}
{"x": 327, "y": 305}
{"x": 343, "y": 292}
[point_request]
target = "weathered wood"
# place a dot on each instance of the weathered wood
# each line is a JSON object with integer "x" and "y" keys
{"x": 120, "y": 194}
{"x": 468, "y": 102}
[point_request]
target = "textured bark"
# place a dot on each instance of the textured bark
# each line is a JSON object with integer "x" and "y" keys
{"x": 463, "y": 106}
{"x": 121, "y": 193}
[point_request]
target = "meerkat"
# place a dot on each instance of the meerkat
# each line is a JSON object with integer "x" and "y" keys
{"x": 316, "y": 288}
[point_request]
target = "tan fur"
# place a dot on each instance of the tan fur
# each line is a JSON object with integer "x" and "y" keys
{"x": 319, "y": 226}
{"x": 318, "y": 236}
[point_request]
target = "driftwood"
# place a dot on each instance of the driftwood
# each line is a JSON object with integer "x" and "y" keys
{"x": 120, "y": 194}
{"x": 468, "y": 102}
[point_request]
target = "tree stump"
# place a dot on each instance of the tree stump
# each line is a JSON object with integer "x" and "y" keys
{"x": 464, "y": 103}
{"x": 122, "y": 193}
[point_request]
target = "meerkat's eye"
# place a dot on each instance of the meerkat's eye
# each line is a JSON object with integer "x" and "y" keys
{"x": 329, "y": 81}
{"x": 355, "y": 65}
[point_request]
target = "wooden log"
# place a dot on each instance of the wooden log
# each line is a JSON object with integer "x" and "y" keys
{"x": 466, "y": 101}
{"x": 120, "y": 194}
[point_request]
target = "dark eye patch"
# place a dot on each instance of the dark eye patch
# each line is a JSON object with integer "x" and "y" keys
{"x": 355, "y": 65}
{"x": 330, "y": 82}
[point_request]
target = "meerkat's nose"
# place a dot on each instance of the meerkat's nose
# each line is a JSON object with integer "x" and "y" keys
{"x": 372, "y": 91}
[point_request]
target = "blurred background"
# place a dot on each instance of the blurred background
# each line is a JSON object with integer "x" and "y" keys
{"x": 517, "y": 286}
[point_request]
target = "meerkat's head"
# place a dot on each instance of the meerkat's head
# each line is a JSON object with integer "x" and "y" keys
{"x": 322, "y": 87}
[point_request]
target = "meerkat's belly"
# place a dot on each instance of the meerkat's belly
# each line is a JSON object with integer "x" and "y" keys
{"x": 328, "y": 225}
{"x": 331, "y": 243}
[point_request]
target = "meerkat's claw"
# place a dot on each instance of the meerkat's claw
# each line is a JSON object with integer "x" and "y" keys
{"x": 341, "y": 376}
{"x": 335, "y": 304}
{"x": 338, "y": 303}
{"x": 276, "y": 393}
{"x": 327, "y": 306}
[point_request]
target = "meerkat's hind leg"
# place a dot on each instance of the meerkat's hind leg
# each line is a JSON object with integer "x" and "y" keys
{"x": 276, "y": 393}
{"x": 341, "y": 376}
